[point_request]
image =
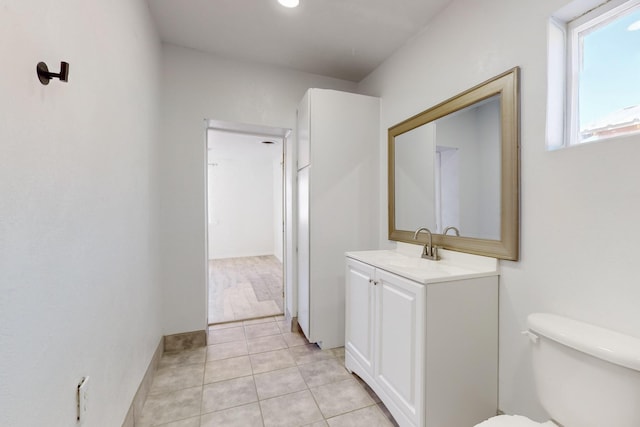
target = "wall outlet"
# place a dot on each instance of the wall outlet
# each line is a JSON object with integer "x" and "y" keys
{"x": 82, "y": 397}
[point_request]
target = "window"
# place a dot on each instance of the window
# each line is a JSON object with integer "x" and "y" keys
{"x": 594, "y": 75}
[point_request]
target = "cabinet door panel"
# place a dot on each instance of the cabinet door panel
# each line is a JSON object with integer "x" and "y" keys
{"x": 399, "y": 341}
{"x": 359, "y": 321}
{"x": 303, "y": 129}
{"x": 304, "y": 291}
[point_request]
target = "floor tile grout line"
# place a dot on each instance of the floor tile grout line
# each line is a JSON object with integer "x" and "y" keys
{"x": 262, "y": 352}
{"x": 261, "y": 413}
{"x": 204, "y": 373}
{"x": 313, "y": 396}
{"x": 343, "y": 413}
{"x": 229, "y": 379}
{"x": 255, "y": 388}
{"x": 175, "y": 421}
{"x": 258, "y": 400}
{"x": 227, "y": 408}
{"x": 357, "y": 409}
{"x": 179, "y": 365}
{"x": 332, "y": 356}
{"x": 282, "y": 395}
{"x": 175, "y": 390}
{"x": 269, "y": 398}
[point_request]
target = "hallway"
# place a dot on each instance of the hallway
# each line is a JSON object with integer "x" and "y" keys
{"x": 255, "y": 373}
{"x": 245, "y": 288}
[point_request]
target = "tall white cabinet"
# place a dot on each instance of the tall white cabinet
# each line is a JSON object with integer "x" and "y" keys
{"x": 337, "y": 199}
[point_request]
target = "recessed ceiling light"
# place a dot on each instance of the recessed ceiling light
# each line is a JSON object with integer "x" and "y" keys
{"x": 634, "y": 27}
{"x": 289, "y": 3}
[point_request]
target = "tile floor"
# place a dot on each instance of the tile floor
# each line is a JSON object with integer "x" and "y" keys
{"x": 256, "y": 373}
{"x": 245, "y": 288}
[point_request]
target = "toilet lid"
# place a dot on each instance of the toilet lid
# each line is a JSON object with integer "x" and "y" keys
{"x": 513, "y": 421}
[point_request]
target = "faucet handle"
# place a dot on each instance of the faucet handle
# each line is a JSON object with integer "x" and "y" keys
{"x": 430, "y": 252}
{"x": 434, "y": 253}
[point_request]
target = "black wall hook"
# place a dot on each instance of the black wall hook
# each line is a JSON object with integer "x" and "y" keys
{"x": 45, "y": 75}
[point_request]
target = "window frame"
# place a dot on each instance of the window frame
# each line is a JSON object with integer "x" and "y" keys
{"x": 570, "y": 59}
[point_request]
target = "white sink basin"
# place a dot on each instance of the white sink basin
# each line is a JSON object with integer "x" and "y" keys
{"x": 428, "y": 267}
{"x": 428, "y": 271}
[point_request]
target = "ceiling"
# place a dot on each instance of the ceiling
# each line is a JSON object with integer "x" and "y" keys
{"x": 345, "y": 39}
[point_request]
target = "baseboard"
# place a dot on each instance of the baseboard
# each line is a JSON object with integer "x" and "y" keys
{"x": 295, "y": 327}
{"x": 185, "y": 341}
{"x": 135, "y": 410}
{"x": 175, "y": 342}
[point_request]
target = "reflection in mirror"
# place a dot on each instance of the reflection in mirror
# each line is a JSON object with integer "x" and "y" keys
{"x": 455, "y": 167}
{"x": 447, "y": 173}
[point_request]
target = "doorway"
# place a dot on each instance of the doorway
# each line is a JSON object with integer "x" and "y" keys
{"x": 245, "y": 221}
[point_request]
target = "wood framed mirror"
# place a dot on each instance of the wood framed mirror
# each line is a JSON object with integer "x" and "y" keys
{"x": 455, "y": 168}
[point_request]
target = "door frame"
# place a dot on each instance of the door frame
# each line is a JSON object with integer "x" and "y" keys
{"x": 288, "y": 202}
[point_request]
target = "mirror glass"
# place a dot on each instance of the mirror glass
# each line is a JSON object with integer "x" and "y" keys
{"x": 456, "y": 165}
{"x": 462, "y": 188}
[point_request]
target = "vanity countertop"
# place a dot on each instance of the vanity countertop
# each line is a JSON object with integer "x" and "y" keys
{"x": 405, "y": 261}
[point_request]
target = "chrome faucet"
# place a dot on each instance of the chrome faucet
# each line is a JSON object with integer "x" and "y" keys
{"x": 455, "y": 230}
{"x": 429, "y": 251}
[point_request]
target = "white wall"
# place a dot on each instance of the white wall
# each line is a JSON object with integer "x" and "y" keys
{"x": 579, "y": 227}
{"x": 243, "y": 195}
{"x": 197, "y": 86}
{"x": 78, "y": 206}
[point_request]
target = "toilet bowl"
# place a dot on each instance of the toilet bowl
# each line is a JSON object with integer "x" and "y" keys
{"x": 585, "y": 376}
{"x": 513, "y": 421}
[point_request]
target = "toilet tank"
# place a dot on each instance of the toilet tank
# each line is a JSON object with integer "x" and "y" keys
{"x": 586, "y": 376}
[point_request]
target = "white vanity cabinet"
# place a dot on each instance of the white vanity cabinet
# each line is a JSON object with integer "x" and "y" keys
{"x": 359, "y": 301}
{"x": 429, "y": 350}
{"x": 384, "y": 330}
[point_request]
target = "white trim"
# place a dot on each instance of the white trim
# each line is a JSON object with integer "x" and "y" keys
{"x": 577, "y": 8}
{"x": 577, "y": 29}
{"x": 572, "y": 79}
{"x": 600, "y": 14}
{"x": 571, "y": 24}
{"x": 557, "y": 93}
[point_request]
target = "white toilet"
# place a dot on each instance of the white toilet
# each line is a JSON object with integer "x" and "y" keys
{"x": 586, "y": 376}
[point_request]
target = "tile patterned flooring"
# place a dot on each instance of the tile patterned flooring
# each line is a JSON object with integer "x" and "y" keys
{"x": 245, "y": 288}
{"x": 256, "y": 373}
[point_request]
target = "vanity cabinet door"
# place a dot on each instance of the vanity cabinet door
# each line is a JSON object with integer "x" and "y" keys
{"x": 399, "y": 340}
{"x": 360, "y": 316}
